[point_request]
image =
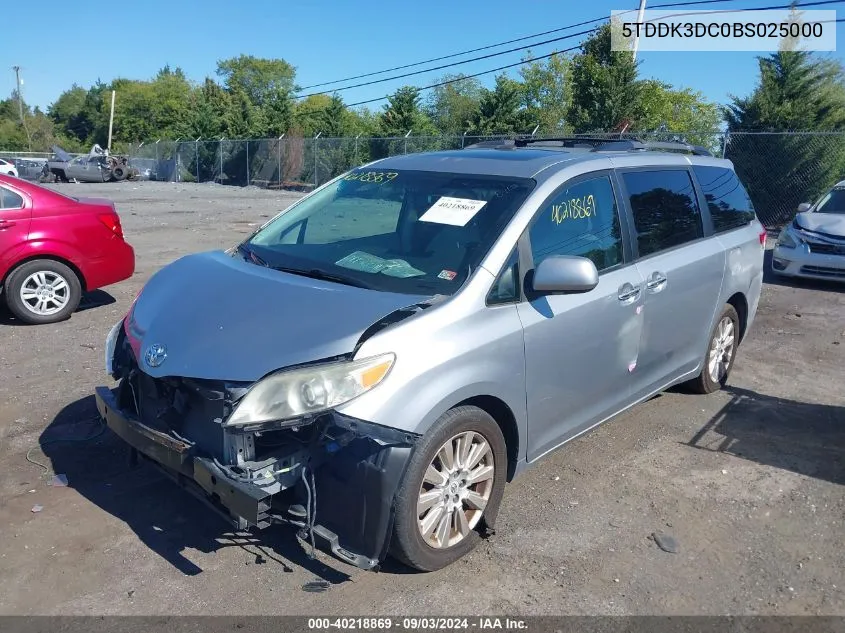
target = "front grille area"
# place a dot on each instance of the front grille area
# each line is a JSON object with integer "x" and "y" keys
{"x": 826, "y": 249}
{"x": 824, "y": 271}
{"x": 190, "y": 409}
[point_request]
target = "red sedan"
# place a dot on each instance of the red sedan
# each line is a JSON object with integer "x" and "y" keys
{"x": 54, "y": 247}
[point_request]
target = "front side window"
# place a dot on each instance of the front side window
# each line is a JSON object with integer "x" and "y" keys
{"x": 832, "y": 202}
{"x": 9, "y": 199}
{"x": 413, "y": 232}
{"x": 664, "y": 207}
{"x": 581, "y": 219}
{"x": 728, "y": 201}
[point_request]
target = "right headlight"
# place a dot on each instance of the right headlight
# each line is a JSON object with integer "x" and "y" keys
{"x": 786, "y": 239}
{"x": 288, "y": 395}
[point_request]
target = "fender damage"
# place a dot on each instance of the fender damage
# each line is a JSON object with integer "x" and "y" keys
{"x": 334, "y": 477}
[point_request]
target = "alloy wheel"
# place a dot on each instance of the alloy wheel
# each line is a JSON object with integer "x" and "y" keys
{"x": 455, "y": 490}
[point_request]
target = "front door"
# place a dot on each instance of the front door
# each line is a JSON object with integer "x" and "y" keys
{"x": 579, "y": 348}
{"x": 683, "y": 272}
{"x": 15, "y": 215}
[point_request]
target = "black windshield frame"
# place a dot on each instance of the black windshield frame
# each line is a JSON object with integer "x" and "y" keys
{"x": 437, "y": 257}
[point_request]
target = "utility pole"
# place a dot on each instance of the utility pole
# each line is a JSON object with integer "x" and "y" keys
{"x": 18, "y": 82}
{"x": 17, "y": 70}
{"x": 639, "y": 21}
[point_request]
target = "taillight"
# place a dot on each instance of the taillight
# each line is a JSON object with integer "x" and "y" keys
{"x": 763, "y": 238}
{"x": 112, "y": 223}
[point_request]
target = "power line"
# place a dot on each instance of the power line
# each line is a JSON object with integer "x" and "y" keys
{"x": 506, "y": 42}
{"x": 552, "y": 54}
{"x": 466, "y": 61}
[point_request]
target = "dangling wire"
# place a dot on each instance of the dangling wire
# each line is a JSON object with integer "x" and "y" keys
{"x": 309, "y": 516}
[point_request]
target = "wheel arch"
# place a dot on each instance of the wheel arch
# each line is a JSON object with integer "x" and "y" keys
{"x": 504, "y": 417}
{"x": 740, "y": 304}
{"x": 51, "y": 257}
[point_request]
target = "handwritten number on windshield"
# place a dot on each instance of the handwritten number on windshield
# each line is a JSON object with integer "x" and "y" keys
{"x": 372, "y": 176}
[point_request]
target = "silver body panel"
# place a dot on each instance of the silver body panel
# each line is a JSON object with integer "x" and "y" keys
{"x": 560, "y": 364}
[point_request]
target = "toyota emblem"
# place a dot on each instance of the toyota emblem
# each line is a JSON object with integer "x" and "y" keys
{"x": 156, "y": 355}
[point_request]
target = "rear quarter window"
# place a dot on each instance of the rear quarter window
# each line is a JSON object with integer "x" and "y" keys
{"x": 9, "y": 199}
{"x": 728, "y": 201}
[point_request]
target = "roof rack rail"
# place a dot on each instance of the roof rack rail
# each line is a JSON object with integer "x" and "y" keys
{"x": 676, "y": 146}
{"x": 593, "y": 143}
{"x": 495, "y": 144}
{"x": 604, "y": 144}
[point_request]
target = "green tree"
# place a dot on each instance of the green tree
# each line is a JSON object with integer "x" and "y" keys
{"x": 546, "y": 93}
{"x": 684, "y": 113}
{"x": 605, "y": 90}
{"x": 500, "y": 110}
{"x": 800, "y": 91}
{"x": 454, "y": 106}
{"x": 260, "y": 79}
{"x": 403, "y": 113}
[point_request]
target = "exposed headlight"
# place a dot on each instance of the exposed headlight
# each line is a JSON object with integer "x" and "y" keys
{"x": 786, "y": 239}
{"x": 111, "y": 344}
{"x": 291, "y": 394}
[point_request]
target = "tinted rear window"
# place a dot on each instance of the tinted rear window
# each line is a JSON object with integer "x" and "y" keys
{"x": 665, "y": 209}
{"x": 728, "y": 201}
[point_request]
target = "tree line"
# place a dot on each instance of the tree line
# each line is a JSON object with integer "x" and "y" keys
{"x": 594, "y": 89}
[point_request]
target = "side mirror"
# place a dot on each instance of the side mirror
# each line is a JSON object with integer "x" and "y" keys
{"x": 804, "y": 207}
{"x": 559, "y": 274}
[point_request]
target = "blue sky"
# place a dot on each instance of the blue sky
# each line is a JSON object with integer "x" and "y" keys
{"x": 324, "y": 40}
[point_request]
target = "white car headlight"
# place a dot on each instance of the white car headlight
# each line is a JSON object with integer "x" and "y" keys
{"x": 297, "y": 392}
{"x": 787, "y": 240}
{"x": 111, "y": 344}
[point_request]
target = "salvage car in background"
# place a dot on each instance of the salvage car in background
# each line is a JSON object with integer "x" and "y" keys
{"x": 29, "y": 168}
{"x": 97, "y": 166}
{"x": 376, "y": 362}
{"x": 813, "y": 244}
{"x": 54, "y": 247}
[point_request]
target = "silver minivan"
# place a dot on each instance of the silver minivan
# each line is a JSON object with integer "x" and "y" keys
{"x": 373, "y": 364}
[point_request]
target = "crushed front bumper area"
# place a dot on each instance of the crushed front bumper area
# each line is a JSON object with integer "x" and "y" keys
{"x": 347, "y": 484}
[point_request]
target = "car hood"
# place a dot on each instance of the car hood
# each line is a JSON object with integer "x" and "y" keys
{"x": 221, "y": 318}
{"x": 832, "y": 224}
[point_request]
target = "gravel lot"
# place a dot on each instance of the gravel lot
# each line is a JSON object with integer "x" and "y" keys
{"x": 749, "y": 481}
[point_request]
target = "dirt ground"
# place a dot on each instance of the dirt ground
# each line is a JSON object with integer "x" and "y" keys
{"x": 748, "y": 481}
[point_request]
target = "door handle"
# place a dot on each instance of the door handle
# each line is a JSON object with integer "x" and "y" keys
{"x": 628, "y": 293}
{"x": 5, "y": 224}
{"x": 656, "y": 282}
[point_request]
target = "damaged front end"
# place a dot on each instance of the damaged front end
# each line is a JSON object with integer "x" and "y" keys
{"x": 332, "y": 476}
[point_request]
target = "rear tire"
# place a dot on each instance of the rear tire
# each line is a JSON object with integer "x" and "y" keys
{"x": 119, "y": 173}
{"x": 42, "y": 291}
{"x": 721, "y": 352}
{"x": 448, "y": 527}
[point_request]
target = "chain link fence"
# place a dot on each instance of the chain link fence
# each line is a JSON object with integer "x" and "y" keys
{"x": 780, "y": 169}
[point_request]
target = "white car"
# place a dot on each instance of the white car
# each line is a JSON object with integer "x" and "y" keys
{"x": 8, "y": 168}
{"x": 813, "y": 245}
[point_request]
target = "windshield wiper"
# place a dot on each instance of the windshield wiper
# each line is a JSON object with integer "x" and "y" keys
{"x": 251, "y": 256}
{"x": 316, "y": 273}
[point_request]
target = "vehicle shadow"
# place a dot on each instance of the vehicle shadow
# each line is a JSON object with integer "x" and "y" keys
{"x": 165, "y": 518}
{"x": 773, "y": 279}
{"x": 90, "y": 300}
{"x": 804, "y": 438}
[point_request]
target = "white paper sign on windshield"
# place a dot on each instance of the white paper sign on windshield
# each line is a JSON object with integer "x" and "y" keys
{"x": 454, "y": 211}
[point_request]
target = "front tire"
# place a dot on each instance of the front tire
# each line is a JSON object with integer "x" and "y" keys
{"x": 42, "y": 291}
{"x": 451, "y": 489}
{"x": 721, "y": 352}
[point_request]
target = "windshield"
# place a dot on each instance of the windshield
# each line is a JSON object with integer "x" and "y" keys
{"x": 833, "y": 202}
{"x": 411, "y": 232}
